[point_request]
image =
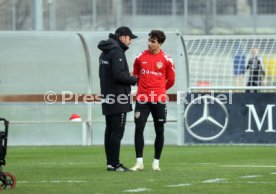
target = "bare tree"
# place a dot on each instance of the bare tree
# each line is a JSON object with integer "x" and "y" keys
{"x": 14, "y": 14}
{"x": 203, "y": 15}
{"x": 208, "y": 17}
{"x": 23, "y": 13}
{"x": 5, "y": 19}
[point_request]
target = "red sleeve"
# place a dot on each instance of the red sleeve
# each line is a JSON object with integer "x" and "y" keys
{"x": 170, "y": 75}
{"x": 136, "y": 68}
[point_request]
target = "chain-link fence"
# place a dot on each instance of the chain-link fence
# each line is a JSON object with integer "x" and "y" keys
{"x": 187, "y": 16}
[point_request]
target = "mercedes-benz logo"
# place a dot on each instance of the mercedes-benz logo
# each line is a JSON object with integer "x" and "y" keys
{"x": 206, "y": 117}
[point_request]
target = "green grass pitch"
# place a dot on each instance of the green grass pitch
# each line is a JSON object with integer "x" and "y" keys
{"x": 185, "y": 169}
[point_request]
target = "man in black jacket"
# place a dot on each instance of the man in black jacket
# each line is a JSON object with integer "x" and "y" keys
{"x": 116, "y": 82}
{"x": 256, "y": 70}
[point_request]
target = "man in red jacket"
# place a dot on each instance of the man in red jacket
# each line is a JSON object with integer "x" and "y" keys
{"x": 155, "y": 72}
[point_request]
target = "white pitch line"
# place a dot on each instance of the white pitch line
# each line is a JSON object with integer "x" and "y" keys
{"x": 52, "y": 181}
{"x": 216, "y": 180}
{"x": 64, "y": 163}
{"x": 136, "y": 190}
{"x": 250, "y": 176}
{"x": 262, "y": 182}
{"x": 248, "y": 166}
{"x": 273, "y": 173}
{"x": 179, "y": 185}
{"x": 206, "y": 163}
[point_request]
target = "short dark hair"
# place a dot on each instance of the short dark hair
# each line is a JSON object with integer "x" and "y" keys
{"x": 159, "y": 35}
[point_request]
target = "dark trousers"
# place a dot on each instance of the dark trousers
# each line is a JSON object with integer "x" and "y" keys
{"x": 252, "y": 82}
{"x": 159, "y": 114}
{"x": 114, "y": 132}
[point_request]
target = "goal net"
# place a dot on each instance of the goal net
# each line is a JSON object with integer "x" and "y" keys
{"x": 227, "y": 62}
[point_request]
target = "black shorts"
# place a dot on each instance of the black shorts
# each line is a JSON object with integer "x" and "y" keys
{"x": 157, "y": 110}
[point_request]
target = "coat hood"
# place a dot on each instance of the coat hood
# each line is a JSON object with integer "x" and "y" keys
{"x": 111, "y": 43}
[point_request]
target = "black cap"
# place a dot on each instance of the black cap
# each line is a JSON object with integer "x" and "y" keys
{"x": 125, "y": 31}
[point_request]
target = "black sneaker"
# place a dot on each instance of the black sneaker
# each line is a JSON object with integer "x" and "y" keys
{"x": 119, "y": 168}
{"x": 110, "y": 168}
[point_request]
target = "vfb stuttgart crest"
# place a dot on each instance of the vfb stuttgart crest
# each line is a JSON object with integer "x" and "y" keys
{"x": 159, "y": 64}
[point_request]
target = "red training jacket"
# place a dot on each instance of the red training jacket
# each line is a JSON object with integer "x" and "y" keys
{"x": 155, "y": 74}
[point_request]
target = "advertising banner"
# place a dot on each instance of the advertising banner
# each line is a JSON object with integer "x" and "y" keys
{"x": 243, "y": 118}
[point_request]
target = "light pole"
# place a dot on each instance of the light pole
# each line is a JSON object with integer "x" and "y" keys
{"x": 37, "y": 14}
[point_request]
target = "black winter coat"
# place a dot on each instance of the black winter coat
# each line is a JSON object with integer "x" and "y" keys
{"x": 256, "y": 74}
{"x": 115, "y": 78}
